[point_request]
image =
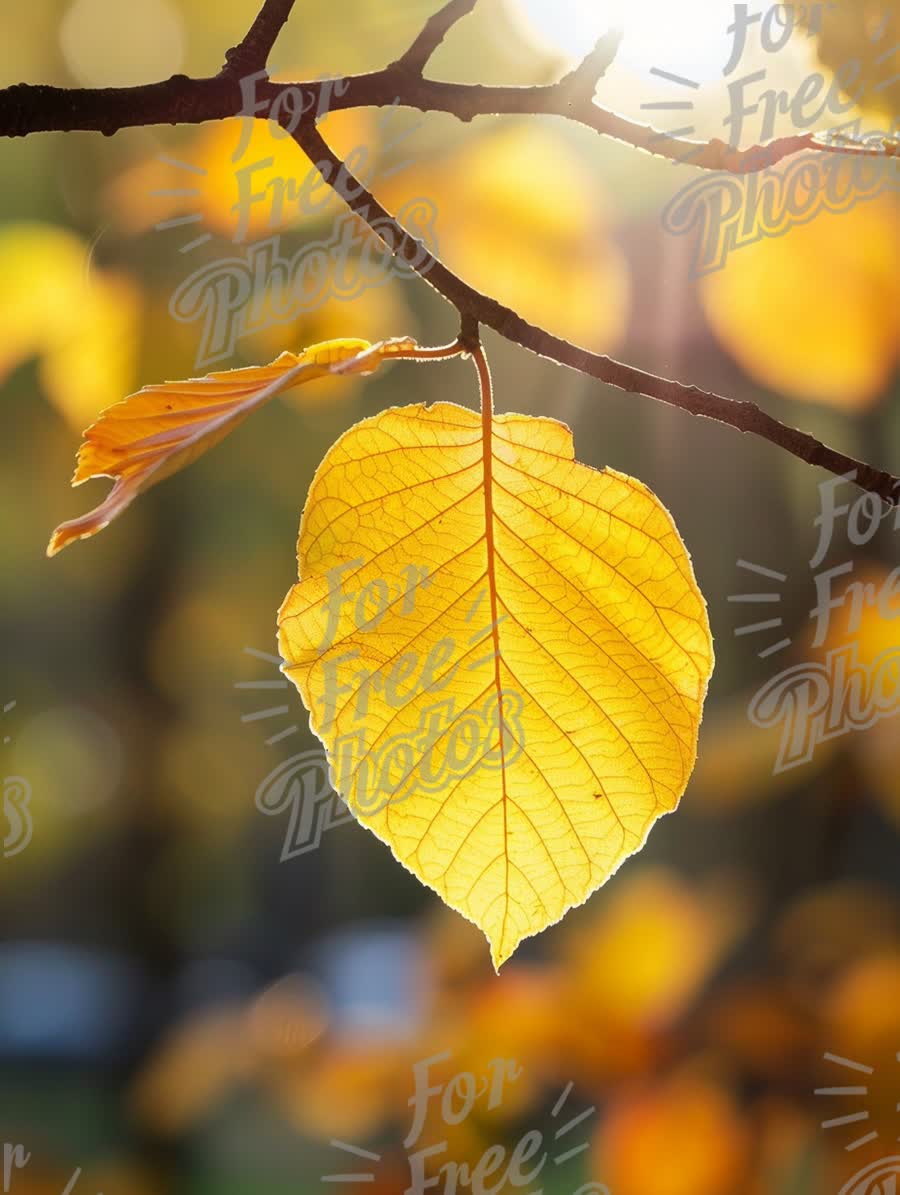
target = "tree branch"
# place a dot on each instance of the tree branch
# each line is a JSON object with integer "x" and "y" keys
{"x": 253, "y": 52}
{"x": 476, "y": 308}
{"x": 38, "y": 108}
{"x": 583, "y": 80}
{"x": 27, "y": 109}
{"x": 436, "y": 29}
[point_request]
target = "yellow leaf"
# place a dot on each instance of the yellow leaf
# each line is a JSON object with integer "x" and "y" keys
{"x": 857, "y": 39}
{"x": 504, "y": 652}
{"x": 89, "y": 369}
{"x": 80, "y": 321}
{"x": 375, "y": 312}
{"x": 812, "y": 313}
{"x": 683, "y": 1136}
{"x": 154, "y": 433}
{"x": 646, "y": 956}
{"x": 861, "y": 1016}
{"x": 246, "y": 179}
{"x": 272, "y": 185}
{"x": 519, "y": 217}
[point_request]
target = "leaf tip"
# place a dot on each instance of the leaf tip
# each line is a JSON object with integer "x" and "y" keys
{"x": 89, "y": 524}
{"x": 58, "y": 540}
{"x": 62, "y": 537}
{"x": 502, "y": 949}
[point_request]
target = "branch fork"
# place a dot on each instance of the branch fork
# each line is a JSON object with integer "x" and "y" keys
{"x": 26, "y": 108}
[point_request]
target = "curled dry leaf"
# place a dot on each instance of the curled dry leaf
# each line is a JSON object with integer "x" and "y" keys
{"x": 504, "y": 652}
{"x": 160, "y": 429}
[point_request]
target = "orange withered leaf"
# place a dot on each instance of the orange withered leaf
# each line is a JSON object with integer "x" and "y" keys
{"x": 160, "y": 429}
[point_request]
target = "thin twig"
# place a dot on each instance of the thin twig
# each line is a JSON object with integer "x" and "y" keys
{"x": 583, "y": 80}
{"x": 253, "y": 52}
{"x": 26, "y": 109}
{"x": 476, "y": 307}
{"x": 436, "y": 29}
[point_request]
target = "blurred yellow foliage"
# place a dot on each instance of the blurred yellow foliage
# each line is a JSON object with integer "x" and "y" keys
{"x": 683, "y": 1136}
{"x": 346, "y": 1091}
{"x": 861, "y": 1022}
{"x": 631, "y": 969}
{"x": 865, "y": 622}
{"x": 521, "y": 219}
{"x": 857, "y": 39}
{"x": 244, "y": 178}
{"x": 272, "y": 166}
{"x": 815, "y": 312}
{"x": 81, "y": 321}
{"x": 375, "y": 314}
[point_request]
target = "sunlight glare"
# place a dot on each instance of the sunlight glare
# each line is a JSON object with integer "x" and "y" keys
{"x": 689, "y": 37}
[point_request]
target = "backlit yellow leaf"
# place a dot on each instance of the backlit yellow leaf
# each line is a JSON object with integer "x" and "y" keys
{"x": 504, "y": 652}
{"x": 154, "y": 433}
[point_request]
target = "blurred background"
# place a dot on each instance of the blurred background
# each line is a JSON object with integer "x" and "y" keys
{"x": 180, "y": 1010}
